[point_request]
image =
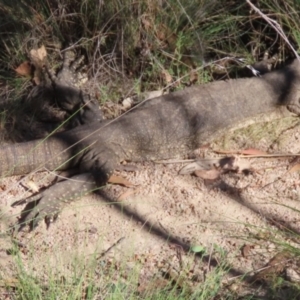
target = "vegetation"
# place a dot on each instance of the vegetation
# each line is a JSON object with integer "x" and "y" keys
{"x": 149, "y": 43}
{"x": 131, "y": 47}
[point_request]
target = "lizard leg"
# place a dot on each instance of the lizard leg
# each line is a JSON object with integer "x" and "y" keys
{"x": 47, "y": 204}
{"x": 60, "y": 97}
{"x": 70, "y": 97}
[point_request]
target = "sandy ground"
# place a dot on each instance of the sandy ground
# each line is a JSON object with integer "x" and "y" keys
{"x": 240, "y": 219}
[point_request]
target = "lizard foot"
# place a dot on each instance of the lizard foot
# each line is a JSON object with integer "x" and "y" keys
{"x": 81, "y": 107}
{"x": 47, "y": 204}
{"x": 71, "y": 73}
{"x": 62, "y": 99}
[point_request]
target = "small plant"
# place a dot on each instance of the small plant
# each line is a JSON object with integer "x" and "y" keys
{"x": 130, "y": 47}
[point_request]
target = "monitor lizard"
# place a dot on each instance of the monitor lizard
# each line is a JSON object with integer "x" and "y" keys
{"x": 165, "y": 127}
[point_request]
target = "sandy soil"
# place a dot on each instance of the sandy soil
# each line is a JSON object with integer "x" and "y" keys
{"x": 240, "y": 219}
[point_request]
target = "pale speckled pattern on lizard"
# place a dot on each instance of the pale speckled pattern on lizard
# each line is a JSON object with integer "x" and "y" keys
{"x": 165, "y": 127}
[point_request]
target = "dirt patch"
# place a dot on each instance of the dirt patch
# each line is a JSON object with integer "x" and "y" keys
{"x": 165, "y": 214}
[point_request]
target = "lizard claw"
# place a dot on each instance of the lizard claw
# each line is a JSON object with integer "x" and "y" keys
{"x": 39, "y": 207}
{"x": 47, "y": 204}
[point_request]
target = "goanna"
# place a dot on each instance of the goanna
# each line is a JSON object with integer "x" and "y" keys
{"x": 165, "y": 127}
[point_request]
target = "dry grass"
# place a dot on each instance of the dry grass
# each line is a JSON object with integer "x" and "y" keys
{"x": 129, "y": 47}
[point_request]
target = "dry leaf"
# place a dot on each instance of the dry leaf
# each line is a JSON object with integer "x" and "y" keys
{"x": 200, "y": 164}
{"x": 32, "y": 186}
{"x": 189, "y": 168}
{"x": 146, "y": 22}
{"x": 253, "y": 151}
{"x": 294, "y": 168}
{"x": 212, "y": 168}
{"x": 38, "y": 56}
{"x": 193, "y": 76}
{"x": 167, "y": 76}
{"x": 120, "y": 180}
{"x": 246, "y": 250}
{"x": 274, "y": 267}
{"x": 292, "y": 275}
{"x": 127, "y": 102}
{"x": 227, "y": 163}
{"x": 239, "y": 165}
{"x": 24, "y": 69}
{"x": 208, "y": 174}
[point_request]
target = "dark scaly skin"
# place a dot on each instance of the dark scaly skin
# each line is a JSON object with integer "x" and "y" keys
{"x": 68, "y": 191}
{"x": 69, "y": 97}
{"x": 58, "y": 98}
{"x": 165, "y": 127}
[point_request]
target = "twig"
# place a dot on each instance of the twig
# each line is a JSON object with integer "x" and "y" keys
{"x": 112, "y": 246}
{"x": 173, "y": 161}
{"x": 240, "y": 154}
{"x": 257, "y": 271}
{"x": 275, "y": 25}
